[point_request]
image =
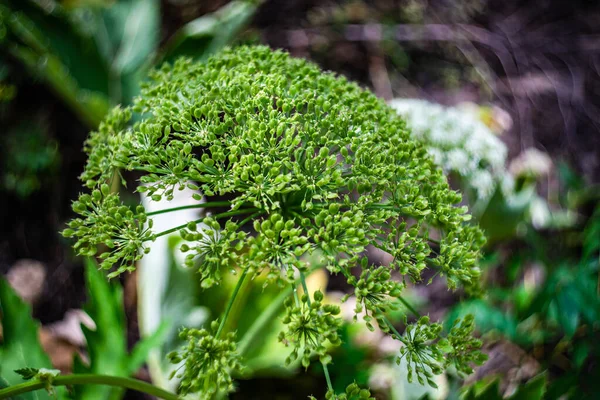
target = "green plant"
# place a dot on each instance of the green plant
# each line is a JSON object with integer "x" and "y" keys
{"x": 93, "y": 54}
{"x": 305, "y": 161}
{"x": 548, "y": 302}
{"x": 106, "y": 345}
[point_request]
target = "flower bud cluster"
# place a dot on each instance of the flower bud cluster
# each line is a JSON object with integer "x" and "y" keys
{"x": 428, "y": 353}
{"x": 211, "y": 247}
{"x": 352, "y": 392}
{"x": 307, "y": 162}
{"x": 278, "y": 246}
{"x": 106, "y": 222}
{"x": 374, "y": 290}
{"x": 310, "y": 326}
{"x": 208, "y": 362}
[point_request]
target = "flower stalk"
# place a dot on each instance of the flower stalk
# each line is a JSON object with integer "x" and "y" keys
{"x": 88, "y": 379}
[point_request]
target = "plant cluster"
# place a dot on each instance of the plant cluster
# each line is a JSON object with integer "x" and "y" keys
{"x": 307, "y": 163}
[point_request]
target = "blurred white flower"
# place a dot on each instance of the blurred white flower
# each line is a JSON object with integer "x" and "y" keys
{"x": 382, "y": 377}
{"x": 457, "y": 140}
{"x": 531, "y": 162}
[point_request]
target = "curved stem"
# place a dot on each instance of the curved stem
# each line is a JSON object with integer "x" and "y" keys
{"x": 392, "y": 328}
{"x": 231, "y": 301}
{"x": 87, "y": 379}
{"x": 199, "y": 205}
{"x": 263, "y": 319}
{"x": 267, "y": 315}
{"x": 251, "y": 217}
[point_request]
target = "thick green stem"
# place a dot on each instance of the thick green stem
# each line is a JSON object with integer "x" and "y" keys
{"x": 231, "y": 301}
{"x": 327, "y": 377}
{"x": 210, "y": 204}
{"x": 88, "y": 379}
{"x": 267, "y": 316}
{"x": 263, "y": 319}
{"x": 199, "y": 220}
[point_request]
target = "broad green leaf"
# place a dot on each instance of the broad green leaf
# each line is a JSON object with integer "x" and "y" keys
{"x": 140, "y": 34}
{"x": 591, "y": 238}
{"x": 66, "y": 59}
{"x": 567, "y": 312}
{"x": 139, "y": 353}
{"x": 502, "y": 214}
{"x": 484, "y": 391}
{"x": 20, "y": 348}
{"x": 533, "y": 390}
{"x": 206, "y": 35}
{"x": 107, "y": 343}
{"x": 127, "y": 32}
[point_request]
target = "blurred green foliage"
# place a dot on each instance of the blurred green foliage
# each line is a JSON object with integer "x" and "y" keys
{"x": 20, "y": 346}
{"x": 106, "y": 341}
{"x": 30, "y": 158}
{"x": 93, "y": 54}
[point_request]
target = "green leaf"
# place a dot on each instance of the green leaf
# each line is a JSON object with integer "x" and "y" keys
{"x": 27, "y": 373}
{"x": 107, "y": 343}
{"x": 140, "y": 27}
{"x": 487, "y": 317}
{"x": 533, "y": 390}
{"x": 484, "y": 390}
{"x": 567, "y": 312}
{"x": 591, "y": 238}
{"x": 206, "y": 35}
{"x": 68, "y": 61}
{"x": 142, "y": 349}
{"x": 502, "y": 214}
{"x": 20, "y": 349}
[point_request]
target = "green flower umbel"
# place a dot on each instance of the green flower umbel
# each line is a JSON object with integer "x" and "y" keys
{"x": 207, "y": 362}
{"x": 293, "y": 161}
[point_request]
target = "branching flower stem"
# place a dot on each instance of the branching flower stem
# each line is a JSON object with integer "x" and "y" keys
{"x": 210, "y": 204}
{"x": 400, "y": 298}
{"x": 267, "y": 315}
{"x": 88, "y": 379}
